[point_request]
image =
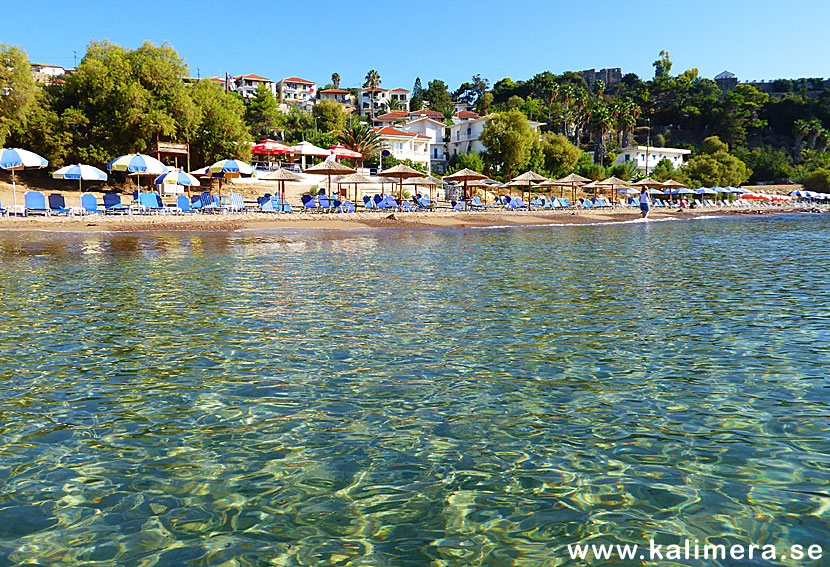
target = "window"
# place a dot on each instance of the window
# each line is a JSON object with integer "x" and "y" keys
{"x": 627, "y": 157}
{"x": 469, "y": 132}
{"x": 398, "y": 145}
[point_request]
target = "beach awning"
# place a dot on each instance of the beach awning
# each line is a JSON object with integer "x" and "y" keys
{"x": 342, "y": 151}
{"x": 309, "y": 149}
{"x": 271, "y": 147}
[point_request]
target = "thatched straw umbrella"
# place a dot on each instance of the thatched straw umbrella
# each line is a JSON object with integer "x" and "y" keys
{"x": 647, "y": 182}
{"x": 612, "y": 183}
{"x": 401, "y": 172}
{"x": 526, "y": 179}
{"x": 330, "y": 168}
{"x": 282, "y": 176}
{"x": 465, "y": 175}
{"x": 573, "y": 181}
{"x": 353, "y": 179}
{"x": 672, "y": 184}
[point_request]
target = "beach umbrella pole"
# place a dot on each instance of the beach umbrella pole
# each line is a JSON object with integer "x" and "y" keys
{"x": 14, "y": 193}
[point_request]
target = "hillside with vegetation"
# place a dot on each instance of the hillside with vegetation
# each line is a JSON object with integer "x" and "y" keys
{"x": 120, "y": 100}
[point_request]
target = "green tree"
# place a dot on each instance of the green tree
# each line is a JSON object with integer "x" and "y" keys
{"x": 713, "y": 144}
{"x": 438, "y": 95}
{"x": 44, "y": 132}
{"x": 17, "y": 90}
{"x": 560, "y": 155}
{"x": 740, "y": 114}
{"x": 817, "y": 180}
{"x": 125, "y": 101}
{"x": 416, "y": 101}
{"x": 508, "y": 138}
{"x": 335, "y": 80}
{"x": 663, "y": 170}
{"x": 372, "y": 82}
{"x": 262, "y": 113}
{"x": 662, "y": 67}
{"x": 515, "y": 102}
{"x": 329, "y": 115}
{"x": 221, "y": 131}
{"x": 470, "y": 160}
{"x": 717, "y": 169}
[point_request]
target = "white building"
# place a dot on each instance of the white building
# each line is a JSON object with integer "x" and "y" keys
{"x": 637, "y": 154}
{"x": 377, "y": 100}
{"x": 246, "y": 85}
{"x": 47, "y": 74}
{"x": 405, "y": 145}
{"x": 465, "y": 132}
{"x": 297, "y": 92}
{"x": 435, "y": 130}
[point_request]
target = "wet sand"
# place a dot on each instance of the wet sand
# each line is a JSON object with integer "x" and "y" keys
{"x": 328, "y": 221}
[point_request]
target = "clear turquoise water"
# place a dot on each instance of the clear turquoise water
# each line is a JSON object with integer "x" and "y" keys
{"x": 458, "y": 397}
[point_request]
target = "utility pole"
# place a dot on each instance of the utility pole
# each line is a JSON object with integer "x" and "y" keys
{"x": 648, "y": 142}
{"x": 75, "y": 56}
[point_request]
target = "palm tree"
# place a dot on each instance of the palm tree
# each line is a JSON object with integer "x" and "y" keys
{"x": 801, "y": 128}
{"x": 566, "y": 94}
{"x": 822, "y": 140}
{"x": 372, "y": 82}
{"x": 335, "y": 80}
{"x": 629, "y": 112}
{"x": 603, "y": 122}
{"x": 814, "y": 131}
{"x": 393, "y": 104}
{"x": 554, "y": 92}
{"x": 581, "y": 113}
{"x": 360, "y": 138}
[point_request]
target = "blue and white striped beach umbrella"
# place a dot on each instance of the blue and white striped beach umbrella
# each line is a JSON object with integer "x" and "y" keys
{"x": 15, "y": 159}
{"x": 177, "y": 177}
{"x": 137, "y": 163}
{"x": 230, "y": 168}
{"x": 81, "y": 172}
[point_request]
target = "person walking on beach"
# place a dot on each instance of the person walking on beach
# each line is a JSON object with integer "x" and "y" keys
{"x": 645, "y": 202}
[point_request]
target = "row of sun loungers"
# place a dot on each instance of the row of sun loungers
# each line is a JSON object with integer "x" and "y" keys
{"x": 151, "y": 203}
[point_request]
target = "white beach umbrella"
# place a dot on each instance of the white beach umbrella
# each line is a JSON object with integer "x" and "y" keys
{"x": 15, "y": 159}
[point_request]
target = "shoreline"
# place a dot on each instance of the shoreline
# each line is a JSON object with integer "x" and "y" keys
{"x": 344, "y": 221}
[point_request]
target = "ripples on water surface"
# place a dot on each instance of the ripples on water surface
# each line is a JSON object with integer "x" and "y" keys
{"x": 460, "y": 397}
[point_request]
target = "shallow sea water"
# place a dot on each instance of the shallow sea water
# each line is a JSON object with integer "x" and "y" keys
{"x": 412, "y": 397}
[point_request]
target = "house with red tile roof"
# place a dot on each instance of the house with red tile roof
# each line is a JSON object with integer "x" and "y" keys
{"x": 246, "y": 85}
{"x": 340, "y": 96}
{"x": 405, "y": 145}
{"x": 297, "y": 92}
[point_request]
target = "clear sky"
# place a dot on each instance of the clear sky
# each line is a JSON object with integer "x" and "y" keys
{"x": 447, "y": 40}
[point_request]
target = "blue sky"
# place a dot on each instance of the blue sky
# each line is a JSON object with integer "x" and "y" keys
{"x": 445, "y": 40}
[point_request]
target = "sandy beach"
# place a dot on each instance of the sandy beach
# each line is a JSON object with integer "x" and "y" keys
{"x": 442, "y": 218}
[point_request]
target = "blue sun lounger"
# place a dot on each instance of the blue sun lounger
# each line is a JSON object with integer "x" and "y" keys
{"x": 113, "y": 204}
{"x": 309, "y": 203}
{"x": 35, "y": 202}
{"x": 90, "y": 204}
{"x": 57, "y": 204}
